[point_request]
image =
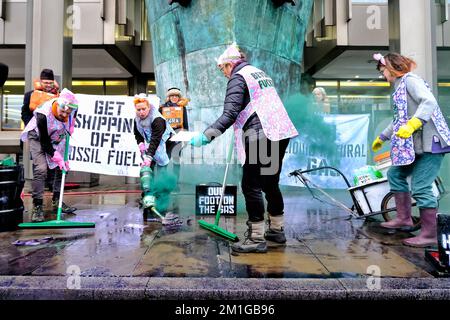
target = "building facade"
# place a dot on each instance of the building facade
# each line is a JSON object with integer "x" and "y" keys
{"x": 108, "y": 45}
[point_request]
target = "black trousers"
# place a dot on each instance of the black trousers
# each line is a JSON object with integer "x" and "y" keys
{"x": 261, "y": 173}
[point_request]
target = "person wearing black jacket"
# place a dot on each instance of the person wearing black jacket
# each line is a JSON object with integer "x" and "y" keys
{"x": 46, "y": 84}
{"x": 261, "y": 142}
{"x": 3, "y": 74}
{"x": 152, "y": 133}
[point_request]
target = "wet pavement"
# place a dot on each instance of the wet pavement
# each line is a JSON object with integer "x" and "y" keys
{"x": 322, "y": 243}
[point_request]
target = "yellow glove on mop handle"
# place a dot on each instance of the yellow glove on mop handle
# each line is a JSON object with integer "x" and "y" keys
{"x": 377, "y": 144}
{"x": 406, "y": 130}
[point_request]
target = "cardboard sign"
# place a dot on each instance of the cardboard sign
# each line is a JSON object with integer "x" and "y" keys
{"x": 207, "y": 198}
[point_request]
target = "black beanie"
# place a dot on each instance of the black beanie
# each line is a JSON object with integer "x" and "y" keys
{"x": 47, "y": 74}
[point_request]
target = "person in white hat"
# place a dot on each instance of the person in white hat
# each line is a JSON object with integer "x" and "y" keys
{"x": 262, "y": 132}
{"x": 46, "y": 133}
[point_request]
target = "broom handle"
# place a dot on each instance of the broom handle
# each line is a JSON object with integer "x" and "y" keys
{"x": 230, "y": 154}
{"x": 63, "y": 178}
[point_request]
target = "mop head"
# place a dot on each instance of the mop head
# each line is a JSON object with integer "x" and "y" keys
{"x": 218, "y": 230}
{"x": 56, "y": 224}
{"x": 171, "y": 220}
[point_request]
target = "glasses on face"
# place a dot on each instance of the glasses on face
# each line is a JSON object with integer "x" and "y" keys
{"x": 68, "y": 106}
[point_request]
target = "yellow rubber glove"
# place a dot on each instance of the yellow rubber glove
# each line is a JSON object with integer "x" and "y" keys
{"x": 377, "y": 144}
{"x": 406, "y": 130}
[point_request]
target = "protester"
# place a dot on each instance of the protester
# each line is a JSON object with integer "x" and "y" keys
{"x": 4, "y": 70}
{"x": 152, "y": 132}
{"x": 175, "y": 112}
{"x": 46, "y": 133}
{"x": 262, "y": 133}
{"x": 321, "y": 99}
{"x": 44, "y": 89}
{"x": 419, "y": 138}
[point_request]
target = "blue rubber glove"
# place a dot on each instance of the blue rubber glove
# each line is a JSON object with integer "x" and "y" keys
{"x": 199, "y": 140}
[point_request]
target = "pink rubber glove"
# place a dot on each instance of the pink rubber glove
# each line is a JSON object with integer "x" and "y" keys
{"x": 142, "y": 147}
{"x": 58, "y": 158}
{"x": 146, "y": 163}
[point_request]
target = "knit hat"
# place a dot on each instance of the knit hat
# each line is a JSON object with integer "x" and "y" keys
{"x": 173, "y": 92}
{"x": 230, "y": 55}
{"x": 47, "y": 74}
{"x": 67, "y": 100}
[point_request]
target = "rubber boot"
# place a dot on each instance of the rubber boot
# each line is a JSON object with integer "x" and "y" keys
{"x": 403, "y": 220}
{"x": 65, "y": 208}
{"x": 254, "y": 239}
{"x": 37, "y": 213}
{"x": 275, "y": 233}
{"x": 428, "y": 232}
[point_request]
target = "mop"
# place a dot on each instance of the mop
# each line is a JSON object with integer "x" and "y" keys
{"x": 215, "y": 227}
{"x": 59, "y": 223}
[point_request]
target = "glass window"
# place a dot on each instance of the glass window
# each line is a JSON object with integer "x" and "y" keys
{"x": 443, "y": 59}
{"x": 361, "y": 97}
{"x": 151, "y": 87}
{"x": 11, "y": 105}
{"x": 12, "y": 97}
{"x": 117, "y": 87}
{"x": 331, "y": 90}
{"x": 88, "y": 86}
{"x": 444, "y": 97}
{"x": 370, "y": 1}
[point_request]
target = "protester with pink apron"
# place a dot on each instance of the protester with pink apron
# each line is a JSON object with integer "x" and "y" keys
{"x": 419, "y": 138}
{"x": 262, "y": 132}
{"x": 46, "y": 133}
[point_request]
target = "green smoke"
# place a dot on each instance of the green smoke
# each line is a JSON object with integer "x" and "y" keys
{"x": 311, "y": 126}
{"x": 164, "y": 182}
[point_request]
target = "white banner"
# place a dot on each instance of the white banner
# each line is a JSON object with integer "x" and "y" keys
{"x": 103, "y": 141}
{"x": 351, "y": 132}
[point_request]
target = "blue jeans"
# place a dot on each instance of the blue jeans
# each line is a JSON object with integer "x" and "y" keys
{"x": 423, "y": 172}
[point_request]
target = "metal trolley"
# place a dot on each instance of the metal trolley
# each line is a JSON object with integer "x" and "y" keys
{"x": 369, "y": 199}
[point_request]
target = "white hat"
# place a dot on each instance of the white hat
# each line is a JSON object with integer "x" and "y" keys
{"x": 231, "y": 54}
{"x": 67, "y": 100}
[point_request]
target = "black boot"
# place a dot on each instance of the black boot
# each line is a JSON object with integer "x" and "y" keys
{"x": 37, "y": 213}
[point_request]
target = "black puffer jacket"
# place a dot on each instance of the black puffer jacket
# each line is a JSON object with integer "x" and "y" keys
{"x": 27, "y": 114}
{"x": 236, "y": 99}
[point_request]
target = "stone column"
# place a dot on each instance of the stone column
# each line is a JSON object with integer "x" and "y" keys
{"x": 412, "y": 32}
{"x": 48, "y": 45}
